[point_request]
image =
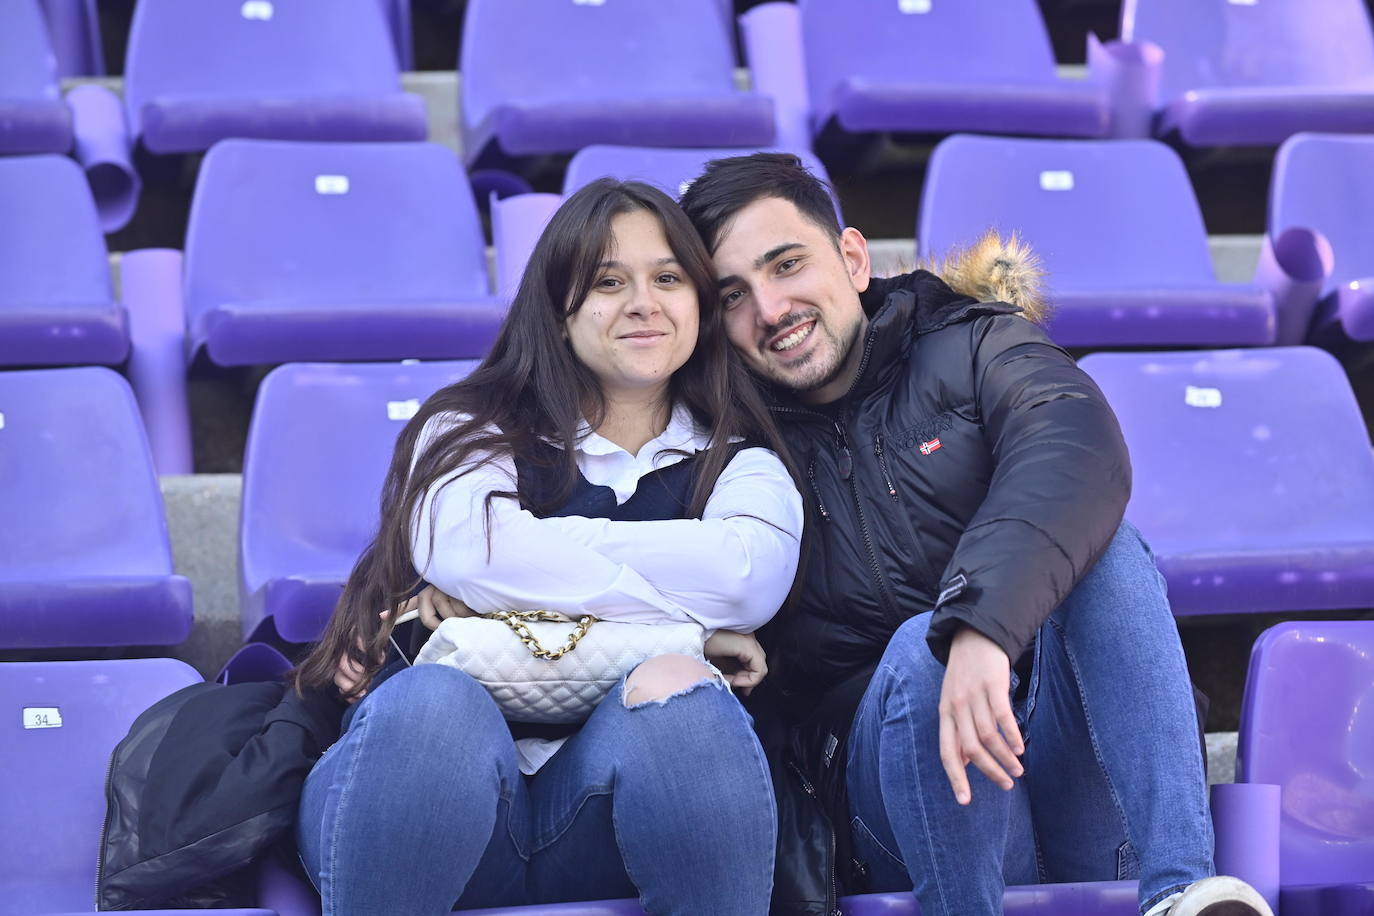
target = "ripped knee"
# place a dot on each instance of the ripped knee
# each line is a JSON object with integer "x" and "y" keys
{"x": 663, "y": 677}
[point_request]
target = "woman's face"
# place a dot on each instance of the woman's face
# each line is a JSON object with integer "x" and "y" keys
{"x": 638, "y": 324}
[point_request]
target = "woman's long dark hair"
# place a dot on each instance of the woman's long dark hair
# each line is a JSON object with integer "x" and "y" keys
{"x": 532, "y": 387}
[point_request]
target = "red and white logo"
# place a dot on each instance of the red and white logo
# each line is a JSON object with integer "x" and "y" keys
{"x": 932, "y": 446}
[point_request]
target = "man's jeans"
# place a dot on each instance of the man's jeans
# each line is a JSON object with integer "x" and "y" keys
{"x": 421, "y": 803}
{"x": 1114, "y": 785}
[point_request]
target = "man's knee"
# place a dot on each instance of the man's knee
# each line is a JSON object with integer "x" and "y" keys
{"x": 663, "y": 677}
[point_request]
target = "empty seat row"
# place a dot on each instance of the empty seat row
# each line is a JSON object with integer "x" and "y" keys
{"x": 1304, "y": 728}
{"x": 1208, "y": 72}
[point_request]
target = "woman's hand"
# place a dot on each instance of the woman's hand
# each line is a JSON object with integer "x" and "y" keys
{"x": 739, "y": 657}
{"x": 348, "y": 674}
{"x": 435, "y": 607}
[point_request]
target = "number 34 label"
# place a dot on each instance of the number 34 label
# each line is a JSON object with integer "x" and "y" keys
{"x": 42, "y": 717}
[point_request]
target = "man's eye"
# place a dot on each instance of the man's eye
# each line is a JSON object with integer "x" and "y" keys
{"x": 732, "y": 298}
{"x": 787, "y": 265}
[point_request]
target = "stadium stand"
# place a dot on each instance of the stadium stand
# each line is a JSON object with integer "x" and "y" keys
{"x": 1253, "y": 477}
{"x": 631, "y": 74}
{"x": 1240, "y": 72}
{"x": 57, "y": 304}
{"x": 1306, "y": 728}
{"x": 304, "y": 70}
{"x": 1325, "y": 182}
{"x": 86, "y": 556}
{"x": 318, "y": 450}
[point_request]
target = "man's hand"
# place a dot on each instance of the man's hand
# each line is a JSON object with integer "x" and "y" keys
{"x": 976, "y": 721}
{"x": 739, "y": 657}
{"x": 436, "y": 607}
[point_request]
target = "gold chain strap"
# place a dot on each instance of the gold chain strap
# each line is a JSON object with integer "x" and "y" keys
{"x": 518, "y": 621}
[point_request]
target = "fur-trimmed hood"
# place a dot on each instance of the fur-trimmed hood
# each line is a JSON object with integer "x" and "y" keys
{"x": 994, "y": 269}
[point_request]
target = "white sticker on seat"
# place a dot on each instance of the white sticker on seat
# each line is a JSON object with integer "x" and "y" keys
{"x": 2, "y": 421}
{"x": 589, "y": 2}
{"x": 257, "y": 9}
{"x": 42, "y": 717}
{"x": 1244, "y": 2}
{"x": 914, "y": 6}
{"x": 1056, "y": 180}
{"x": 402, "y": 410}
{"x": 1202, "y": 397}
{"x": 331, "y": 184}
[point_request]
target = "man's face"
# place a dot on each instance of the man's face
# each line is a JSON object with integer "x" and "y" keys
{"x": 791, "y": 299}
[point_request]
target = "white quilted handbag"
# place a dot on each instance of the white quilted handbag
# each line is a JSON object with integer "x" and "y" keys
{"x": 506, "y": 653}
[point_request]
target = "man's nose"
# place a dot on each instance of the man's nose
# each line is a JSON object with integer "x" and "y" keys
{"x": 772, "y": 307}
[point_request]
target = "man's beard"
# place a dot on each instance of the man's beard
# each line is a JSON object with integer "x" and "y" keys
{"x": 820, "y": 375}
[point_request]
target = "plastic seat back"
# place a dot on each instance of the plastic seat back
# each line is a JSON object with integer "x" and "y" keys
{"x": 62, "y": 720}
{"x": 318, "y": 449}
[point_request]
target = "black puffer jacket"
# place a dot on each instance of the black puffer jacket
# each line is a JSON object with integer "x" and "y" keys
{"x": 973, "y": 469}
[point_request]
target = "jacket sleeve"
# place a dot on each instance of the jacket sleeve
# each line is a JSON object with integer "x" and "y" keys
{"x": 1060, "y": 481}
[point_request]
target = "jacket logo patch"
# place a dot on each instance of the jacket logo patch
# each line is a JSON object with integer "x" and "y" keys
{"x": 923, "y": 433}
{"x": 931, "y": 446}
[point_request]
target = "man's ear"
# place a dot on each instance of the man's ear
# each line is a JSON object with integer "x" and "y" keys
{"x": 854, "y": 251}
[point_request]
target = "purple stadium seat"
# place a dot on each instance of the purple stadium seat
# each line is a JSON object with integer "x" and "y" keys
{"x": 553, "y": 76}
{"x": 1306, "y": 726}
{"x": 918, "y": 66}
{"x": 1253, "y": 72}
{"x": 318, "y": 448}
{"x": 86, "y": 560}
{"x": 335, "y": 251}
{"x": 1325, "y": 183}
{"x": 57, "y": 304}
{"x": 304, "y": 70}
{"x": 1116, "y": 227}
{"x": 33, "y": 118}
{"x": 1254, "y": 481}
{"x": 62, "y": 720}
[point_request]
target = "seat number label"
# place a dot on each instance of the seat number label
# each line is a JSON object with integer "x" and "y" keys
{"x": 1202, "y": 397}
{"x": 42, "y": 717}
{"x": 257, "y": 9}
{"x": 1056, "y": 180}
{"x": 402, "y": 410}
{"x": 331, "y": 184}
{"x": 914, "y": 7}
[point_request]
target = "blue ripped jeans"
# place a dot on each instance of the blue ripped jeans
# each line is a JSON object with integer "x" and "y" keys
{"x": 1114, "y": 785}
{"x": 421, "y": 803}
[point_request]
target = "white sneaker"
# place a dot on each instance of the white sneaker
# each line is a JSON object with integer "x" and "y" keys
{"x": 1219, "y": 896}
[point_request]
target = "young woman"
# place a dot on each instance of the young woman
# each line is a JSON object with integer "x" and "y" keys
{"x": 611, "y": 458}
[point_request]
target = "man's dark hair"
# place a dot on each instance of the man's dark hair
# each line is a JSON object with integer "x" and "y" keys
{"x": 729, "y": 185}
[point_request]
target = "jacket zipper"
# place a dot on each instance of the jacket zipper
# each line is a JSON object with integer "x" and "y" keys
{"x": 816, "y": 490}
{"x": 832, "y": 902}
{"x": 882, "y": 463}
{"x": 847, "y": 472}
{"x": 104, "y": 828}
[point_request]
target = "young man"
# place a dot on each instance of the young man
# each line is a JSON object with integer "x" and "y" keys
{"x": 971, "y": 586}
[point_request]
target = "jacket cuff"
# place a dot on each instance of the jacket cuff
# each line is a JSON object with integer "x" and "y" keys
{"x": 956, "y": 607}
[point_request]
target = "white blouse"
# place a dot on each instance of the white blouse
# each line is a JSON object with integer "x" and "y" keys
{"x": 731, "y": 569}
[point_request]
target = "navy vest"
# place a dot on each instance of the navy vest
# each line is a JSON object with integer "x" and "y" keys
{"x": 662, "y": 494}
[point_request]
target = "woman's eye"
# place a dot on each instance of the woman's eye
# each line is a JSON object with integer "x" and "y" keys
{"x": 608, "y": 283}
{"x": 668, "y": 279}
